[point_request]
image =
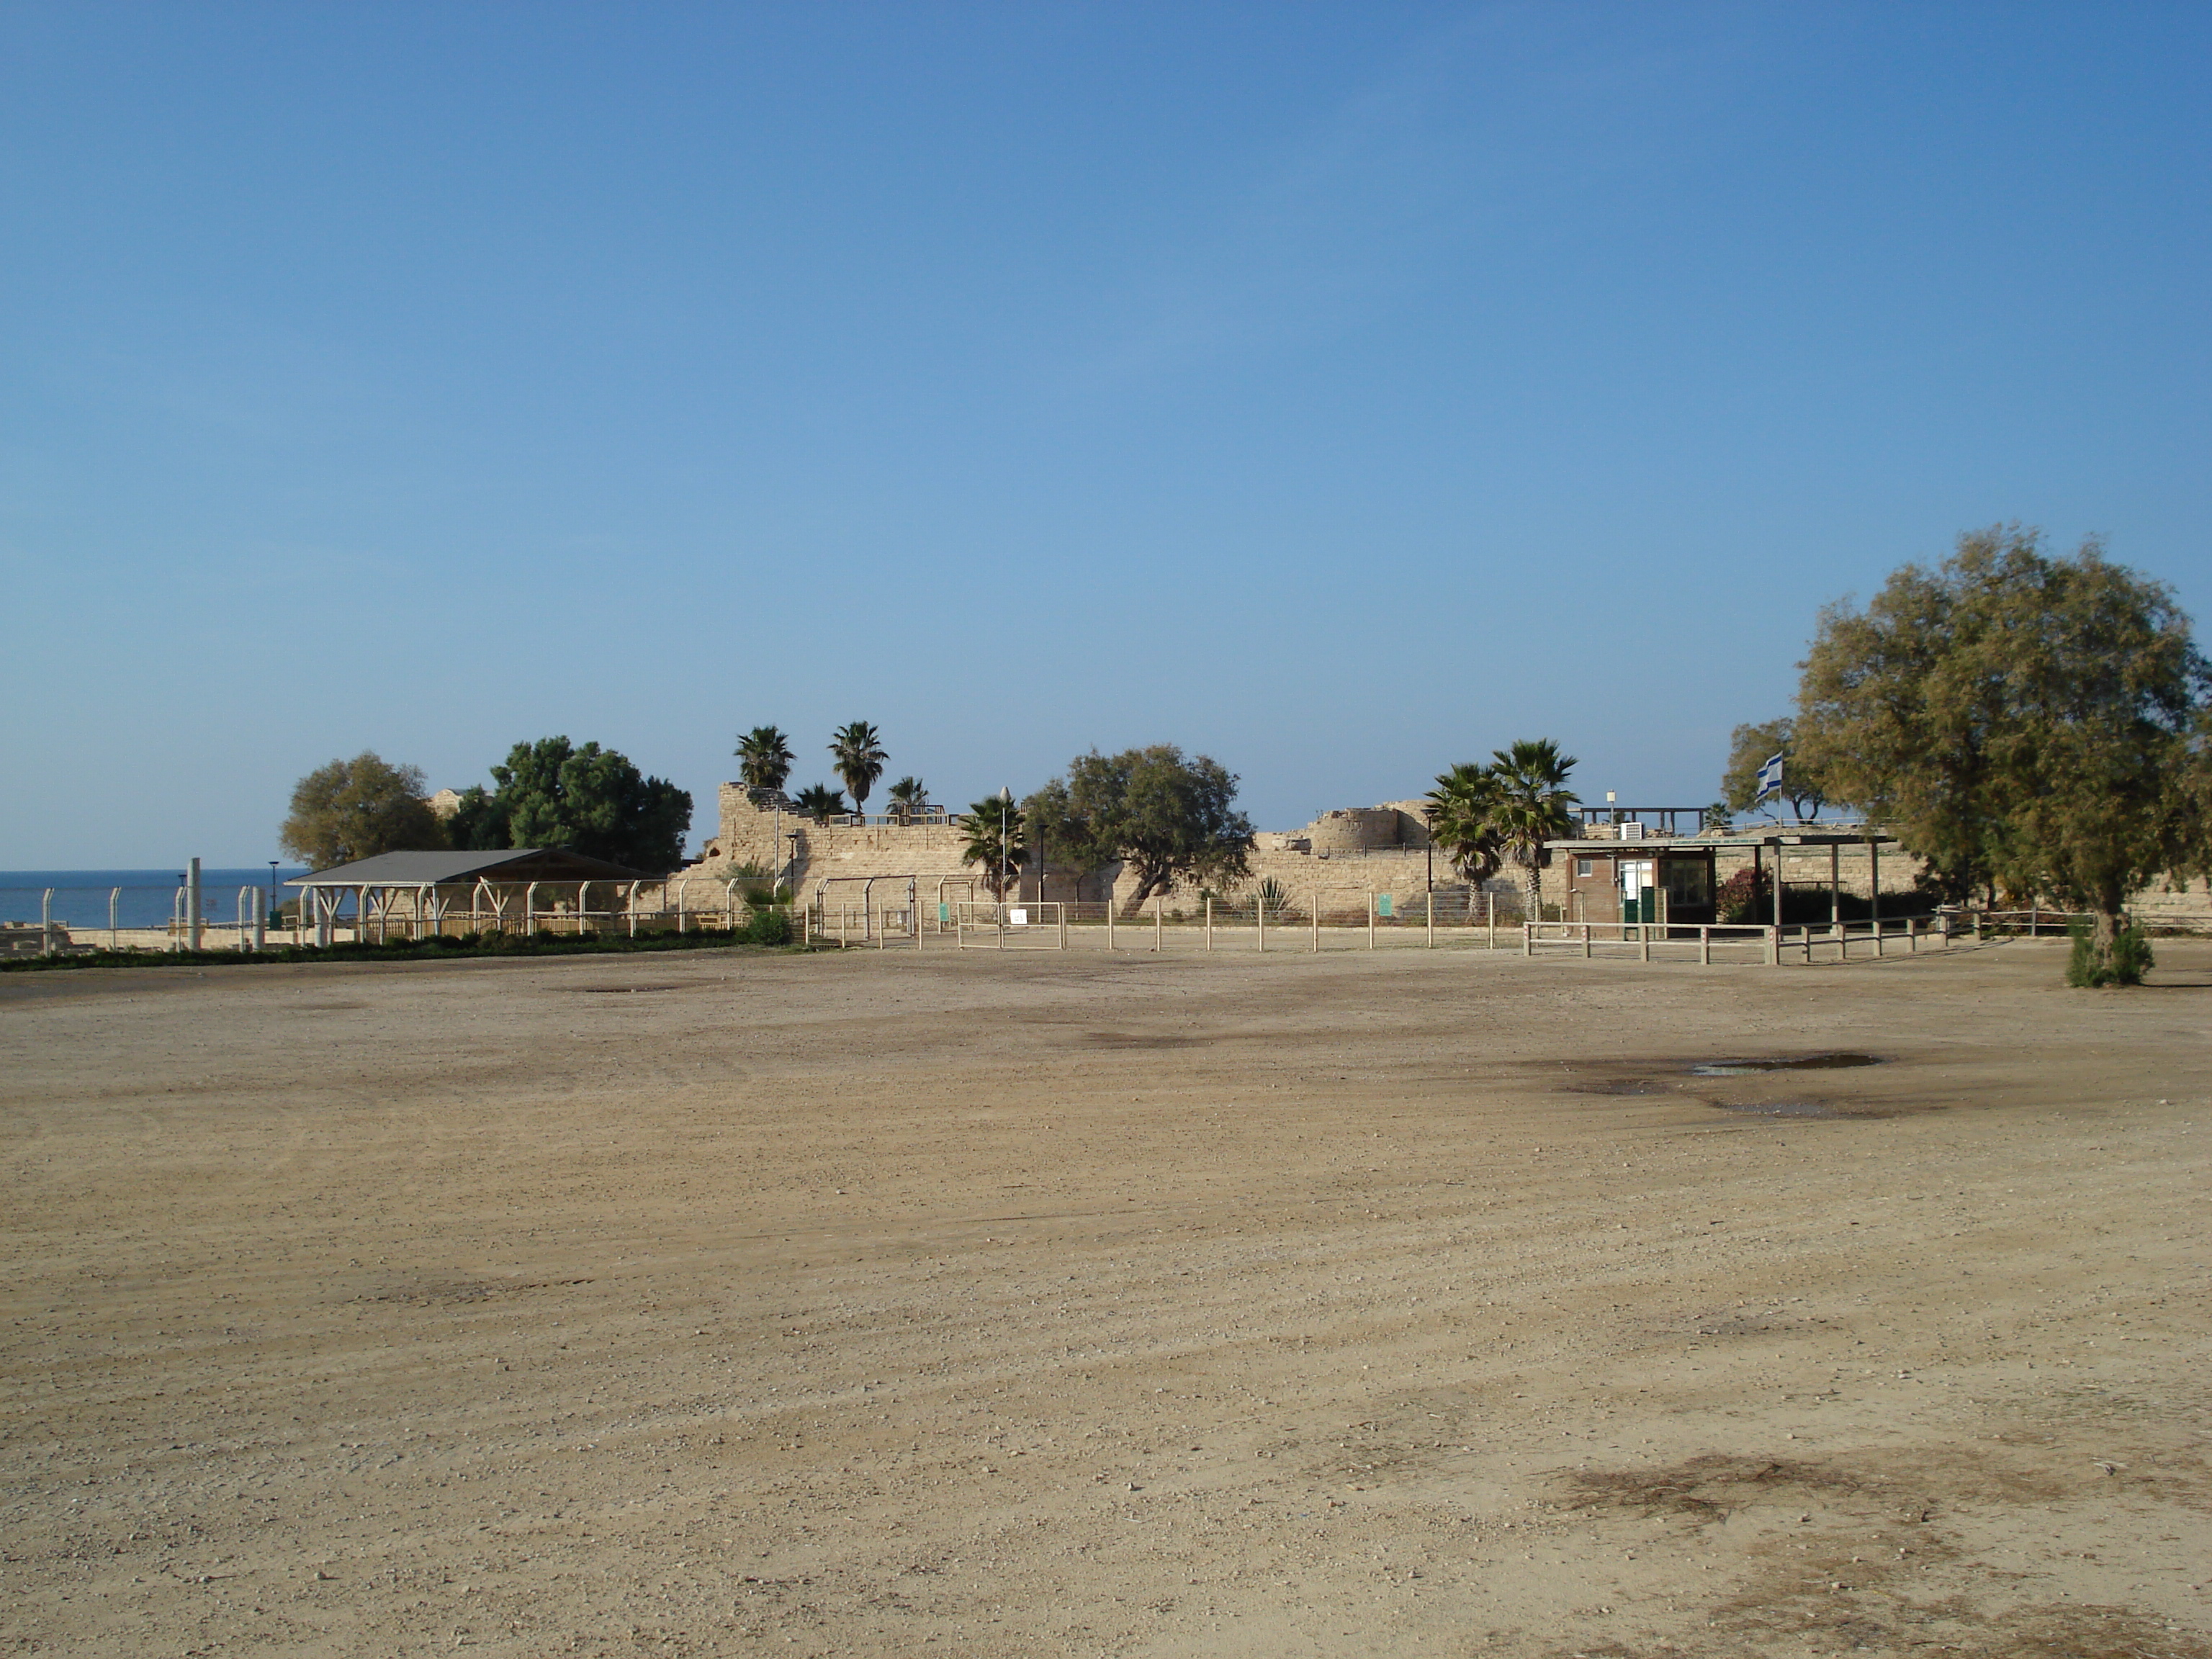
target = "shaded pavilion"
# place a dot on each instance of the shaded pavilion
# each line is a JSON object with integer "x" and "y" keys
{"x": 426, "y": 892}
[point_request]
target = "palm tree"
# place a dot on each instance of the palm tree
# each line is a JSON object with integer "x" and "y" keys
{"x": 856, "y": 754}
{"x": 764, "y": 760}
{"x": 907, "y": 797}
{"x": 819, "y": 802}
{"x": 1531, "y": 807}
{"x": 995, "y": 841}
{"x": 1459, "y": 814}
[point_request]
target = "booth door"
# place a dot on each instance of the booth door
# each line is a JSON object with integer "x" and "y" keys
{"x": 1638, "y": 901}
{"x": 1689, "y": 887}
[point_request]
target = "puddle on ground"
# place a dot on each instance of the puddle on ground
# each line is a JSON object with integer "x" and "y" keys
{"x": 1786, "y": 1108}
{"x": 1797, "y": 1063}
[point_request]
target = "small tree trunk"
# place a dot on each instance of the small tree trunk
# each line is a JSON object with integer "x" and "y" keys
{"x": 1534, "y": 880}
{"x": 2104, "y": 930}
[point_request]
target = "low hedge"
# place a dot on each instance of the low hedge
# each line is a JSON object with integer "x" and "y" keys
{"x": 436, "y": 949}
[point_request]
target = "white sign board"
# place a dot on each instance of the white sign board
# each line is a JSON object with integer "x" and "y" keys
{"x": 1018, "y": 918}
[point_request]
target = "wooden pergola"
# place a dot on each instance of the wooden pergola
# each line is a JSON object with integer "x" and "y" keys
{"x": 421, "y": 890}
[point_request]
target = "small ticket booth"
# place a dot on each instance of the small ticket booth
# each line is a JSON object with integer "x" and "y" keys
{"x": 1638, "y": 881}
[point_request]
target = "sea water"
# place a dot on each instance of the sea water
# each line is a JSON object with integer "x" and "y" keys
{"x": 148, "y": 897}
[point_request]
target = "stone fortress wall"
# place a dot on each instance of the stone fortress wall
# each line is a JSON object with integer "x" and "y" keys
{"x": 1351, "y": 850}
{"x": 1341, "y": 856}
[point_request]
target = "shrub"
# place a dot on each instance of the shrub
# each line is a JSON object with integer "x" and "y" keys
{"x": 767, "y": 926}
{"x": 2128, "y": 959}
{"x": 1746, "y": 896}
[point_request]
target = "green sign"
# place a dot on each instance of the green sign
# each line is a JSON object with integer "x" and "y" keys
{"x": 943, "y": 915}
{"x": 1383, "y": 906}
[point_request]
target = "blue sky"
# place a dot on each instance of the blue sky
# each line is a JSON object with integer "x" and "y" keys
{"x": 1342, "y": 391}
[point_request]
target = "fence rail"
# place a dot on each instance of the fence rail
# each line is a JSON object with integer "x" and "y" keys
{"x": 80, "y": 921}
{"x": 888, "y": 912}
{"x": 1738, "y": 941}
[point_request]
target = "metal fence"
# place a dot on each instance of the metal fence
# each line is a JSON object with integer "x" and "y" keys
{"x": 1738, "y": 942}
{"x": 73, "y": 920}
{"x": 888, "y": 912}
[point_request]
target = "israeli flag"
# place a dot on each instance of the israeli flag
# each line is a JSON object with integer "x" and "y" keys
{"x": 1770, "y": 776}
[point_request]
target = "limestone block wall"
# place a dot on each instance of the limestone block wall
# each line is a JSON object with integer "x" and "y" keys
{"x": 1384, "y": 848}
{"x": 815, "y": 852}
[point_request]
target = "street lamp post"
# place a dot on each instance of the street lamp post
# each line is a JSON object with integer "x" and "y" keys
{"x": 1006, "y": 805}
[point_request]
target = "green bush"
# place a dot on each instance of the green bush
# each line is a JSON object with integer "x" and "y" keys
{"x": 2128, "y": 959}
{"x": 766, "y": 927}
{"x": 772, "y": 928}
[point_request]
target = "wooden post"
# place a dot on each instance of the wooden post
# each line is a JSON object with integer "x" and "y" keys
{"x": 1430, "y": 905}
{"x": 1370, "y": 918}
{"x": 1209, "y": 923}
{"x": 1110, "y": 915}
{"x": 1874, "y": 885}
{"x": 1316, "y": 921}
{"x": 1835, "y": 887}
{"x": 1704, "y": 947}
{"x": 1259, "y": 914}
{"x": 1159, "y": 921}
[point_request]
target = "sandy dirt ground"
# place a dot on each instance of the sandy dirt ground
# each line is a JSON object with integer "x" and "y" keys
{"x": 988, "y": 1304}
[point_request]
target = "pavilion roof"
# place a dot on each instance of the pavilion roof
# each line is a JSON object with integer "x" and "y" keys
{"x": 430, "y": 869}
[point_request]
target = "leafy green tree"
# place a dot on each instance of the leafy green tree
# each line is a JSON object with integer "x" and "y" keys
{"x": 1057, "y": 831}
{"x": 1751, "y": 747}
{"x": 1460, "y": 811}
{"x": 856, "y": 754}
{"x": 2020, "y": 721}
{"x": 764, "y": 760}
{"x": 997, "y": 841}
{"x": 589, "y": 799}
{"x": 1170, "y": 819}
{"x": 819, "y": 801}
{"x": 355, "y": 809}
{"x": 907, "y": 797}
{"x": 1532, "y": 806}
